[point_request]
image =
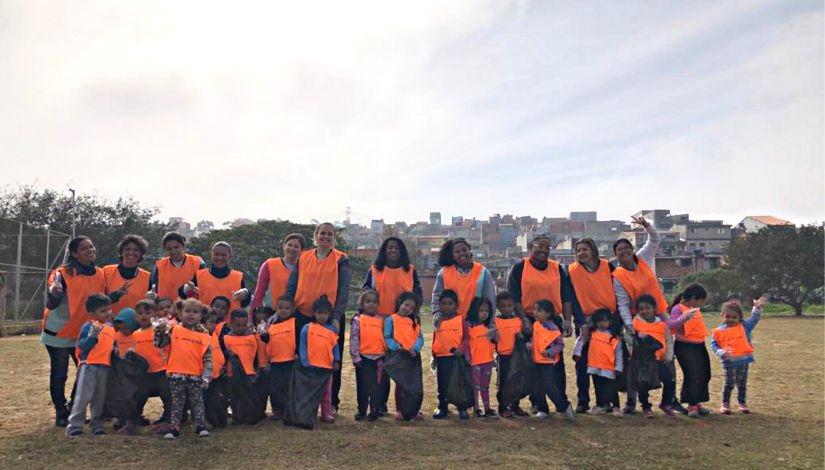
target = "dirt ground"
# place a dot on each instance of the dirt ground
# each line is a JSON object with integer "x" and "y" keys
{"x": 785, "y": 392}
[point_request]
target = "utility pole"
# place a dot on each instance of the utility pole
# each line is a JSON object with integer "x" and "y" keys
{"x": 74, "y": 213}
{"x": 18, "y": 272}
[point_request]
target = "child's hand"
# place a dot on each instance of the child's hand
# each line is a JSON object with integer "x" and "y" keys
{"x": 204, "y": 383}
{"x": 262, "y": 328}
{"x": 576, "y": 358}
{"x": 191, "y": 289}
{"x": 669, "y": 357}
{"x": 356, "y": 364}
{"x": 336, "y": 366}
{"x": 758, "y": 303}
{"x": 641, "y": 335}
{"x": 690, "y": 314}
{"x": 412, "y": 352}
{"x": 547, "y": 354}
{"x": 240, "y": 294}
{"x": 95, "y": 330}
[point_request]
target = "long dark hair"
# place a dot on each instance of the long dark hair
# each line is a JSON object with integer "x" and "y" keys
{"x": 72, "y": 264}
{"x": 445, "y": 254}
{"x": 692, "y": 291}
{"x": 404, "y": 258}
{"x": 405, "y": 296}
{"x": 475, "y": 306}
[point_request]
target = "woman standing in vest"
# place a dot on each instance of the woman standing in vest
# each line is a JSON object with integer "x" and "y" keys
{"x": 273, "y": 276}
{"x": 462, "y": 275}
{"x": 126, "y": 282}
{"x": 322, "y": 271}
{"x": 391, "y": 275}
{"x": 175, "y": 270}
{"x": 220, "y": 280}
{"x": 69, "y": 287}
{"x": 634, "y": 276}
{"x": 591, "y": 288}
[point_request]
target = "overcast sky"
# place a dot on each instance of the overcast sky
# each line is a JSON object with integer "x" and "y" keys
{"x": 295, "y": 110}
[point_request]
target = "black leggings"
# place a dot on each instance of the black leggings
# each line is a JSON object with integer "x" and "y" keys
{"x": 58, "y": 374}
{"x": 695, "y": 363}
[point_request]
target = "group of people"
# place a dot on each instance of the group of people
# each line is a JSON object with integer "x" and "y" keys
{"x": 194, "y": 335}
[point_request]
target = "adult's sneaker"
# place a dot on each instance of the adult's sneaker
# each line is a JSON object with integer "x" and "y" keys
{"x": 541, "y": 415}
{"x": 569, "y": 414}
{"x": 202, "y": 432}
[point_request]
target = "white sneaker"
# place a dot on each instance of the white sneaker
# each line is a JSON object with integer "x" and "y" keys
{"x": 203, "y": 433}
{"x": 596, "y": 410}
{"x": 617, "y": 412}
{"x": 169, "y": 435}
{"x": 541, "y": 415}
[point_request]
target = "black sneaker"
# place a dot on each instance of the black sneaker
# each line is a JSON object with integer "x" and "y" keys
{"x": 477, "y": 414}
{"x": 582, "y": 409}
{"x": 359, "y": 417}
{"x": 173, "y": 434}
{"x": 491, "y": 414}
{"x": 142, "y": 421}
{"x": 383, "y": 411}
{"x": 518, "y": 411}
{"x": 160, "y": 420}
{"x": 463, "y": 415}
{"x": 629, "y": 409}
{"x": 677, "y": 407}
{"x": 119, "y": 423}
{"x": 441, "y": 414}
{"x": 373, "y": 416}
{"x": 98, "y": 431}
{"x": 201, "y": 431}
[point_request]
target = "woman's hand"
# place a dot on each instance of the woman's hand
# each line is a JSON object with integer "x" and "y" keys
{"x": 124, "y": 289}
{"x": 56, "y": 288}
{"x": 641, "y": 221}
{"x": 240, "y": 295}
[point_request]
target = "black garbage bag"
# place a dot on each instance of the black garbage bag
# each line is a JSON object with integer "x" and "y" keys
{"x": 306, "y": 390}
{"x": 217, "y": 401}
{"x": 519, "y": 381}
{"x": 243, "y": 395}
{"x": 643, "y": 370}
{"x": 406, "y": 371}
{"x": 262, "y": 388}
{"x": 125, "y": 378}
{"x": 460, "y": 385}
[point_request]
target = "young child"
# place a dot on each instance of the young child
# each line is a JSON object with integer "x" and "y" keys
{"x": 155, "y": 383}
{"x": 547, "y": 345}
{"x": 94, "y": 350}
{"x": 189, "y": 368}
{"x": 367, "y": 348}
{"x": 647, "y": 323}
{"x": 165, "y": 308}
{"x": 483, "y": 336}
{"x": 451, "y": 339}
{"x": 318, "y": 348}
{"x": 604, "y": 363}
{"x": 509, "y": 326}
{"x": 261, "y": 316}
{"x": 732, "y": 344}
{"x": 124, "y": 325}
{"x": 279, "y": 338}
{"x": 402, "y": 331}
{"x": 220, "y": 305}
{"x": 241, "y": 344}
{"x": 689, "y": 347}
{"x": 216, "y": 397}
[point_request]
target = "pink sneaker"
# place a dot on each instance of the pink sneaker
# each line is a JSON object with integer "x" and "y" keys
{"x": 693, "y": 411}
{"x": 725, "y": 408}
{"x": 668, "y": 410}
{"x": 328, "y": 419}
{"x": 743, "y": 408}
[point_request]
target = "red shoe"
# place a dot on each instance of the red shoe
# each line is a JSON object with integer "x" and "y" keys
{"x": 693, "y": 411}
{"x": 506, "y": 414}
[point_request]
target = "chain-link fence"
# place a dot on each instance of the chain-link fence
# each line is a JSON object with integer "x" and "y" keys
{"x": 27, "y": 255}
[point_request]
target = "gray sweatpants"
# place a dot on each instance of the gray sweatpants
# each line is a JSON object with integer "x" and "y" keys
{"x": 91, "y": 390}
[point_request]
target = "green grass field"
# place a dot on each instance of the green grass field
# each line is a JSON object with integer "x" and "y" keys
{"x": 785, "y": 429}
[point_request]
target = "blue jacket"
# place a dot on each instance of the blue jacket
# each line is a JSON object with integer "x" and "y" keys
{"x": 302, "y": 346}
{"x": 749, "y": 325}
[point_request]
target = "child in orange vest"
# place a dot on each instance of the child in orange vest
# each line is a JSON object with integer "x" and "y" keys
{"x": 94, "y": 350}
{"x": 279, "y": 340}
{"x": 216, "y": 398}
{"x": 451, "y": 340}
{"x": 166, "y": 309}
{"x": 689, "y": 347}
{"x": 241, "y": 347}
{"x": 155, "y": 383}
{"x": 402, "y": 331}
{"x": 189, "y": 367}
{"x": 367, "y": 348}
{"x": 732, "y": 344}
{"x": 483, "y": 337}
{"x": 604, "y": 363}
{"x": 125, "y": 324}
{"x": 318, "y": 348}
{"x": 547, "y": 345}
{"x": 509, "y": 326}
{"x": 648, "y": 324}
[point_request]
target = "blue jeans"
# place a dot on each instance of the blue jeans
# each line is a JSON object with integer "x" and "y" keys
{"x": 58, "y": 373}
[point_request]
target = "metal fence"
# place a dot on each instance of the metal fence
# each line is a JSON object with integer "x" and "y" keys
{"x": 27, "y": 255}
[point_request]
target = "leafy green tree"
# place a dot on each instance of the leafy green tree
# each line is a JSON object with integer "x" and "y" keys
{"x": 722, "y": 284}
{"x": 786, "y": 263}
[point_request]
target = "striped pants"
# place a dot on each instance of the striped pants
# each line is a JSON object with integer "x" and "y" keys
{"x": 735, "y": 376}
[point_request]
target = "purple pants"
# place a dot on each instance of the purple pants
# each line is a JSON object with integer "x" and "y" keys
{"x": 326, "y": 402}
{"x": 481, "y": 375}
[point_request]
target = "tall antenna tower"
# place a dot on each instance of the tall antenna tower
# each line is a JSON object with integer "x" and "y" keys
{"x": 349, "y": 213}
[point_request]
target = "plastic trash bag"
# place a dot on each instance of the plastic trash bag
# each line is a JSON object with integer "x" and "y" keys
{"x": 124, "y": 379}
{"x": 243, "y": 395}
{"x": 306, "y": 390}
{"x": 643, "y": 370}
{"x": 519, "y": 381}
{"x": 406, "y": 371}
{"x": 217, "y": 400}
{"x": 460, "y": 385}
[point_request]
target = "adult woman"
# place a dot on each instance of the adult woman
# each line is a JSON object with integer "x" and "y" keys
{"x": 126, "y": 282}
{"x": 65, "y": 314}
{"x": 461, "y": 274}
{"x": 273, "y": 276}
{"x": 591, "y": 288}
{"x": 220, "y": 280}
{"x": 634, "y": 276}
{"x": 322, "y": 271}
{"x": 392, "y": 274}
{"x": 175, "y": 270}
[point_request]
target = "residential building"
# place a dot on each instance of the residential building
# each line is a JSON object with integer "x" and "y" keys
{"x": 755, "y": 223}
{"x": 704, "y": 236}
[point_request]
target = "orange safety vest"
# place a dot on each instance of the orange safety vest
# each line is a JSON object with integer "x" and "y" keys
{"x": 390, "y": 283}
{"x": 115, "y": 281}
{"x": 278, "y": 279}
{"x": 78, "y": 289}
{"x": 218, "y": 359}
{"x": 320, "y": 342}
{"x": 639, "y": 282}
{"x": 145, "y": 347}
{"x": 601, "y": 353}
{"x": 316, "y": 278}
{"x": 695, "y": 329}
{"x": 210, "y": 287}
{"x": 171, "y": 277}
{"x": 540, "y": 285}
{"x": 508, "y": 328}
{"x": 481, "y": 348}
{"x": 124, "y": 343}
{"x": 101, "y": 354}
{"x": 281, "y": 345}
{"x": 448, "y": 336}
{"x": 404, "y": 331}
{"x": 371, "y": 334}
{"x": 246, "y": 348}
{"x": 465, "y": 285}
{"x": 594, "y": 291}
{"x": 734, "y": 339}
{"x": 656, "y": 330}
{"x": 542, "y": 339}
{"x": 186, "y": 351}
